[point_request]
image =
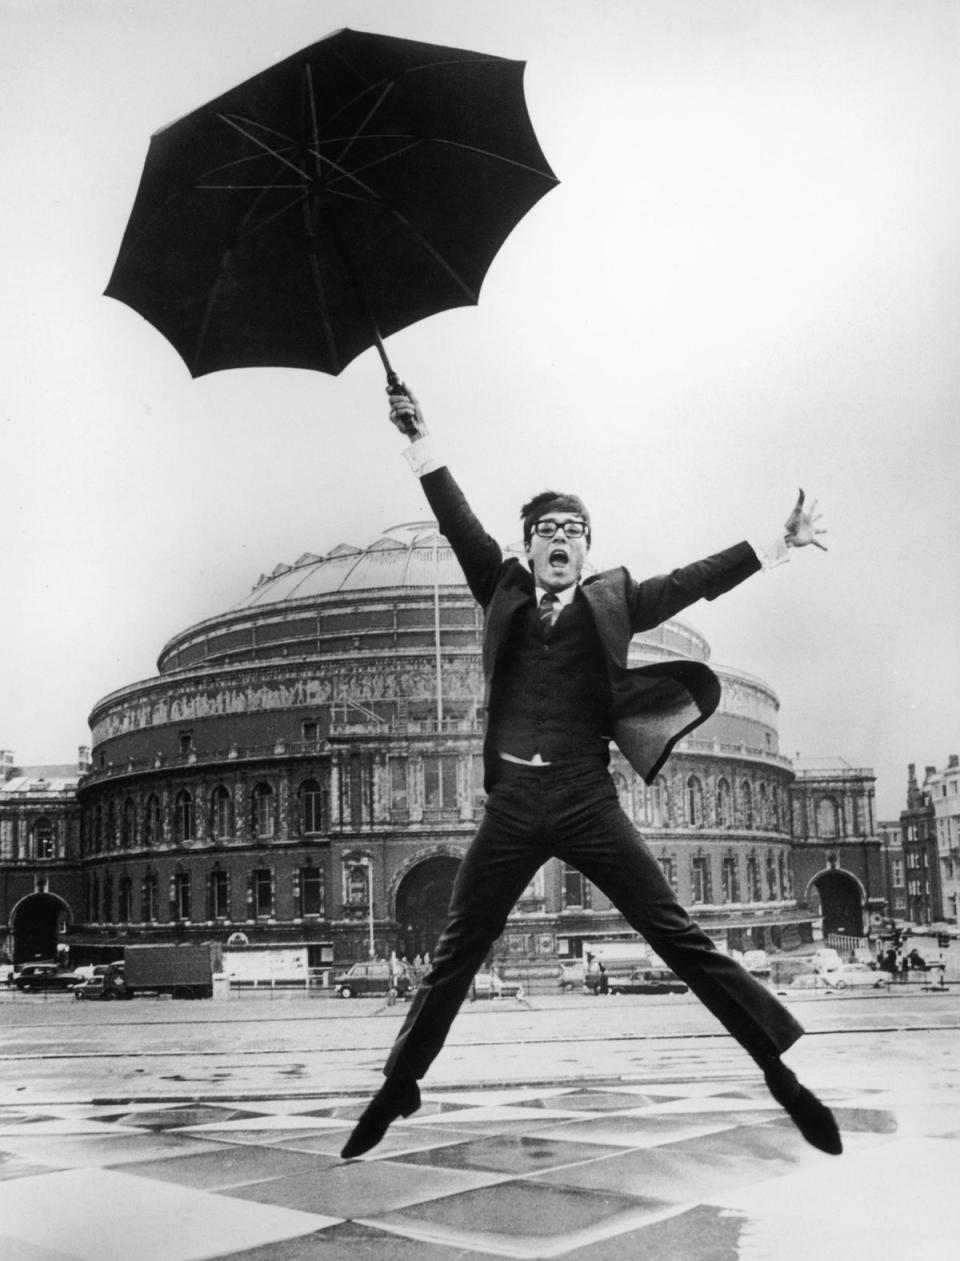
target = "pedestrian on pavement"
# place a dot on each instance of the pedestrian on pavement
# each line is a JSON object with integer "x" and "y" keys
{"x": 558, "y": 689}
{"x": 604, "y": 979}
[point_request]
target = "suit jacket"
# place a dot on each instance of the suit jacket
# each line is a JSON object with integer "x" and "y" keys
{"x": 653, "y": 706}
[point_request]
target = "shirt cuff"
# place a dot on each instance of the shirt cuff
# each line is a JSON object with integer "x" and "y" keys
{"x": 771, "y": 552}
{"x": 422, "y": 457}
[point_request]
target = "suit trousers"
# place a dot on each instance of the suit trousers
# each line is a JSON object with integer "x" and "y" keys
{"x": 570, "y": 811}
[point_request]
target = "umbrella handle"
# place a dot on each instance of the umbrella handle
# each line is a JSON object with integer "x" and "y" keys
{"x": 396, "y": 386}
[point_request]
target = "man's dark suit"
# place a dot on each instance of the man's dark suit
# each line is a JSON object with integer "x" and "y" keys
{"x": 569, "y": 809}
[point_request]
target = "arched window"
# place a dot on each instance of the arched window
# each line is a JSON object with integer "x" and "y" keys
{"x": 110, "y": 838}
{"x": 746, "y": 792}
{"x": 754, "y": 891}
{"x": 763, "y": 808}
{"x": 694, "y": 802}
{"x": 186, "y": 823}
{"x": 828, "y": 817}
{"x": 43, "y": 846}
{"x": 98, "y": 828}
{"x": 313, "y": 804}
{"x": 221, "y": 813}
{"x": 128, "y": 827}
{"x": 153, "y": 822}
{"x": 731, "y": 878}
{"x": 263, "y": 812}
{"x": 724, "y": 806}
{"x": 772, "y": 886}
{"x": 125, "y": 900}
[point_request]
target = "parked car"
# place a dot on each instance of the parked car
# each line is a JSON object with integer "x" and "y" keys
{"x": 105, "y": 984}
{"x": 365, "y": 980}
{"x": 650, "y": 980}
{"x": 44, "y": 976}
{"x": 757, "y": 962}
{"x": 856, "y": 975}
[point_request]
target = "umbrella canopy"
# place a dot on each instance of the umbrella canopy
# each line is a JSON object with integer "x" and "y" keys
{"x": 337, "y": 197}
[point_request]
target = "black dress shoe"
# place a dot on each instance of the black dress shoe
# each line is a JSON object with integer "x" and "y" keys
{"x": 812, "y": 1118}
{"x": 397, "y": 1097}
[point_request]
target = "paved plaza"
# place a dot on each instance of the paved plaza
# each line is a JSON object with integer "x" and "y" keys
{"x": 679, "y": 1153}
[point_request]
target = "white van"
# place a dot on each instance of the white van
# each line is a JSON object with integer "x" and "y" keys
{"x": 620, "y": 959}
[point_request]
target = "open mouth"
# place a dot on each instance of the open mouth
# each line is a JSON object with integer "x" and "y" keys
{"x": 559, "y": 556}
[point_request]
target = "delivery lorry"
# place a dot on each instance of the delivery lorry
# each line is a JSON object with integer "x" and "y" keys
{"x": 180, "y": 971}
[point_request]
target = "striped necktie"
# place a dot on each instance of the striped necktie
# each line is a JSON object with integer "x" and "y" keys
{"x": 548, "y": 610}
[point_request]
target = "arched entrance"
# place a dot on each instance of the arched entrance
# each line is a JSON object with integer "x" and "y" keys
{"x": 841, "y": 901}
{"x": 422, "y": 901}
{"x": 37, "y": 923}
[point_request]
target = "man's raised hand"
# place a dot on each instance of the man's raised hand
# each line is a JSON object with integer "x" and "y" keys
{"x": 405, "y": 412}
{"x": 800, "y": 528}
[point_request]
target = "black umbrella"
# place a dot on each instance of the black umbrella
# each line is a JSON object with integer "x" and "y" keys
{"x": 333, "y": 199}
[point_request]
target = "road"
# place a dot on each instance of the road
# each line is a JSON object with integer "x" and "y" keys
{"x": 55, "y": 1049}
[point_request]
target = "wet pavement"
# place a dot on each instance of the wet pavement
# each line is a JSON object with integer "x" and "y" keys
{"x": 679, "y": 1154}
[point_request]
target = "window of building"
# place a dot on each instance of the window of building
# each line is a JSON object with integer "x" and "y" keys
{"x": 219, "y": 894}
{"x": 153, "y": 822}
{"x": 93, "y": 900}
{"x": 149, "y": 898}
{"x": 668, "y": 865}
{"x": 186, "y": 743}
{"x": 125, "y": 900}
{"x": 763, "y": 807}
{"x": 128, "y": 824}
{"x": 355, "y": 885}
{"x": 700, "y": 879}
{"x": 399, "y": 790}
{"x": 772, "y": 887}
{"x": 754, "y": 891}
{"x": 221, "y": 813}
{"x": 439, "y": 782}
{"x": 731, "y": 878}
{"x": 108, "y": 899}
{"x": 724, "y": 810}
{"x": 185, "y": 816}
{"x": 311, "y": 731}
{"x": 98, "y": 828}
{"x": 311, "y": 891}
{"x": 181, "y": 895}
{"x": 43, "y": 838}
{"x": 746, "y": 793}
{"x": 694, "y": 802}
{"x": 896, "y": 871}
{"x": 576, "y": 888}
{"x": 828, "y": 817}
{"x": 263, "y": 815}
{"x": 313, "y": 807}
{"x": 262, "y": 890}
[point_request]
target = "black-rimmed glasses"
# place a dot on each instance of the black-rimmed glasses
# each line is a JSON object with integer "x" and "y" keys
{"x": 546, "y": 529}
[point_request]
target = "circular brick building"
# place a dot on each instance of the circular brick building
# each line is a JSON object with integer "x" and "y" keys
{"x": 306, "y": 768}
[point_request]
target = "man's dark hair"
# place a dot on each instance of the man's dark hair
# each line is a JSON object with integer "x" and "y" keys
{"x": 550, "y": 501}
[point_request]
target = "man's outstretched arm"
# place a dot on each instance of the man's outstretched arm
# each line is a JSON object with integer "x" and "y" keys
{"x": 479, "y": 555}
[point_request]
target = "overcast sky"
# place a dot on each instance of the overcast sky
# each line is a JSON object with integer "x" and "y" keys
{"x": 746, "y": 282}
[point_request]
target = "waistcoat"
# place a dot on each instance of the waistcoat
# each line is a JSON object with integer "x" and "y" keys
{"x": 551, "y": 691}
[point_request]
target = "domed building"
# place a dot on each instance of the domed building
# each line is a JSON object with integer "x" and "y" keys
{"x": 306, "y": 768}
